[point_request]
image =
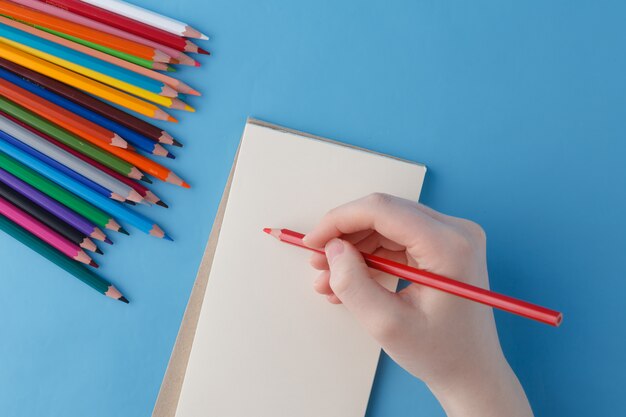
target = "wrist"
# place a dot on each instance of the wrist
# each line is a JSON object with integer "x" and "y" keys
{"x": 487, "y": 388}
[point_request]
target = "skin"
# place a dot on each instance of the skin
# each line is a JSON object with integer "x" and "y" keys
{"x": 449, "y": 343}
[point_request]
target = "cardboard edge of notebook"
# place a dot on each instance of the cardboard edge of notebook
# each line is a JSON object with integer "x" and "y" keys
{"x": 169, "y": 394}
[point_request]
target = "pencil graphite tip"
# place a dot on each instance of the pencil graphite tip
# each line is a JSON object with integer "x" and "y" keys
{"x": 267, "y": 230}
{"x": 95, "y": 265}
{"x": 171, "y": 119}
{"x": 166, "y": 237}
{"x": 99, "y": 251}
{"x": 203, "y": 51}
{"x": 107, "y": 240}
{"x": 197, "y": 64}
{"x": 123, "y": 299}
{"x": 162, "y": 204}
{"x": 185, "y": 185}
{"x": 170, "y": 155}
{"x": 177, "y": 143}
{"x": 124, "y": 231}
{"x": 146, "y": 179}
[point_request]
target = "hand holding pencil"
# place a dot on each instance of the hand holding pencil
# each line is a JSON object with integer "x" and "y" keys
{"x": 448, "y": 342}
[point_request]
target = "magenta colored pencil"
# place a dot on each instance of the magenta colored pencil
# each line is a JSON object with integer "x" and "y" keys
{"x": 43, "y": 232}
{"x": 85, "y": 21}
{"x": 62, "y": 212}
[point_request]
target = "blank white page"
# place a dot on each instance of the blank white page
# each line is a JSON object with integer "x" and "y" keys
{"x": 267, "y": 345}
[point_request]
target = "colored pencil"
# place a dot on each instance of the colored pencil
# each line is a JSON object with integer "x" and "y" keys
{"x": 129, "y": 121}
{"x": 43, "y": 232}
{"x": 98, "y": 153}
{"x": 62, "y": 52}
{"x": 31, "y": 16}
{"x": 54, "y": 256}
{"x": 60, "y": 194}
{"x": 170, "y": 81}
{"x": 47, "y": 218}
{"x": 65, "y": 14}
{"x": 143, "y": 191}
{"x": 146, "y": 63}
{"x": 130, "y": 136}
{"x": 60, "y": 116}
{"x": 429, "y": 279}
{"x": 7, "y": 137}
{"x": 99, "y": 77}
{"x": 112, "y": 187}
{"x": 62, "y": 212}
{"x": 148, "y": 17}
{"x": 87, "y": 194}
{"x": 81, "y": 82}
{"x": 122, "y": 22}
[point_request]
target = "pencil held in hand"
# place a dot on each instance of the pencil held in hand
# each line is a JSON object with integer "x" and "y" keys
{"x": 418, "y": 276}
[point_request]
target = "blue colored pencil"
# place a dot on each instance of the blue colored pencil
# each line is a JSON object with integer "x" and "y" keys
{"x": 116, "y": 209}
{"x": 122, "y": 74}
{"x": 54, "y": 164}
{"x": 138, "y": 140}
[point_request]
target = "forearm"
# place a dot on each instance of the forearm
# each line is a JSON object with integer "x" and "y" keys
{"x": 492, "y": 391}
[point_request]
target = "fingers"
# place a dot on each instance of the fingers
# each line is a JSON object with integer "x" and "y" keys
{"x": 396, "y": 219}
{"x": 352, "y": 284}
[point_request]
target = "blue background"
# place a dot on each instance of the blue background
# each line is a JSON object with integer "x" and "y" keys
{"x": 517, "y": 108}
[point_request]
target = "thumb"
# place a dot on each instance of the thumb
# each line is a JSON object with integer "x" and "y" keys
{"x": 352, "y": 283}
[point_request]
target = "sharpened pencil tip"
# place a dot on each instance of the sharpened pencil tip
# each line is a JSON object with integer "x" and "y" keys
{"x": 185, "y": 185}
{"x": 162, "y": 204}
{"x": 171, "y": 156}
{"x": 123, "y": 299}
{"x": 107, "y": 240}
{"x": 95, "y": 265}
{"x": 130, "y": 203}
{"x": 146, "y": 179}
{"x": 166, "y": 237}
{"x": 177, "y": 143}
{"x": 203, "y": 51}
{"x": 99, "y": 251}
{"x": 267, "y": 230}
{"x": 171, "y": 119}
{"x": 124, "y": 231}
{"x": 197, "y": 64}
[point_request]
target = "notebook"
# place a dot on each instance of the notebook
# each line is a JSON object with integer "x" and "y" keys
{"x": 256, "y": 339}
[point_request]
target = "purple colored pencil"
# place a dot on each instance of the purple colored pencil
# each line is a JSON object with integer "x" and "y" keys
{"x": 69, "y": 216}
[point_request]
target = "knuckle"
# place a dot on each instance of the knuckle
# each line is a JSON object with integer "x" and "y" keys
{"x": 379, "y": 199}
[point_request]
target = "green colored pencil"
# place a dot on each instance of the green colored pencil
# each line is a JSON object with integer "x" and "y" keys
{"x": 87, "y": 210}
{"x": 94, "y": 281}
{"x": 67, "y": 138}
{"x": 146, "y": 63}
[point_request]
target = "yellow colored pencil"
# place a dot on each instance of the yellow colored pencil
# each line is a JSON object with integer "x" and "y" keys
{"x": 82, "y": 83}
{"x": 169, "y": 102}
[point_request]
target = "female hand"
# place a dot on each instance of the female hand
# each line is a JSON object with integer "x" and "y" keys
{"x": 448, "y": 342}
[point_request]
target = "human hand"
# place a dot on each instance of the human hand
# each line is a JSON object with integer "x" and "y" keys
{"x": 448, "y": 342}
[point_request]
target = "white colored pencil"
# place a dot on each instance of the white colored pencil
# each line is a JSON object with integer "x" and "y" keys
{"x": 119, "y": 190}
{"x": 148, "y": 17}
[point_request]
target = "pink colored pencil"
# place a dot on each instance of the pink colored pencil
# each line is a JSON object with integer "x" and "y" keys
{"x": 170, "y": 81}
{"x": 75, "y": 18}
{"x": 43, "y": 232}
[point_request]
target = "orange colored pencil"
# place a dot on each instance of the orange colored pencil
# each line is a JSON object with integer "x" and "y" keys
{"x": 80, "y": 31}
{"x": 56, "y": 114}
{"x": 170, "y": 81}
{"x": 145, "y": 164}
{"x": 82, "y": 83}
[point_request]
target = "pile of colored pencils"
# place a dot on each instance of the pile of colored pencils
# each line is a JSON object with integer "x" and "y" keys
{"x": 71, "y": 152}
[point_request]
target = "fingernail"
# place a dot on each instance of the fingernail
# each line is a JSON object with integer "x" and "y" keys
{"x": 333, "y": 248}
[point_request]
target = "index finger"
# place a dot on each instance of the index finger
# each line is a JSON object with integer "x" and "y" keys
{"x": 395, "y": 218}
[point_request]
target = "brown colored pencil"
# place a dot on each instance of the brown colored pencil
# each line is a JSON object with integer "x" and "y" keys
{"x": 97, "y": 106}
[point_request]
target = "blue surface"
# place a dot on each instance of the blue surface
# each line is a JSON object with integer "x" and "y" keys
{"x": 518, "y": 109}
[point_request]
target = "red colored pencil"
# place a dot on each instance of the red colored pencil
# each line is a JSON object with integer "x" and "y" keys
{"x": 129, "y": 25}
{"x": 460, "y": 289}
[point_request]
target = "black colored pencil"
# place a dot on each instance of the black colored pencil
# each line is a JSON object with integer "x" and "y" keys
{"x": 47, "y": 218}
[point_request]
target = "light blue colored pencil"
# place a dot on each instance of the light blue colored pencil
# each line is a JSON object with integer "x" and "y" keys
{"x": 79, "y": 58}
{"x": 115, "y": 209}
